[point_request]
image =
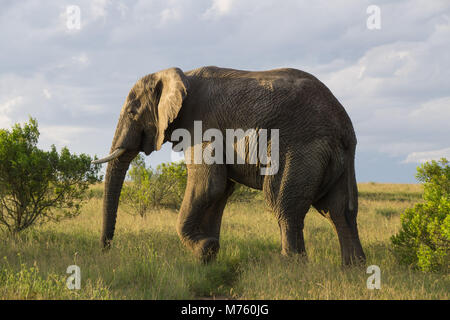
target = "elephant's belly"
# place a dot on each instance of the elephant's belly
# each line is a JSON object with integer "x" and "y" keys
{"x": 246, "y": 174}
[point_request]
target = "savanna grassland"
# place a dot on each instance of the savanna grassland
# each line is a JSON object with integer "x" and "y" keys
{"x": 147, "y": 260}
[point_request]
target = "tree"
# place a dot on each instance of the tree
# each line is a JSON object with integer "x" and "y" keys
{"x": 136, "y": 192}
{"x": 149, "y": 188}
{"x": 424, "y": 238}
{"x": 173, "y": 175}
{"x": 37, "y": 185}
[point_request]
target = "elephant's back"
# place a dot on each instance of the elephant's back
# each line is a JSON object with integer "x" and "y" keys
{"x": 227, "y": 73}
{"x": 292, "y": 100}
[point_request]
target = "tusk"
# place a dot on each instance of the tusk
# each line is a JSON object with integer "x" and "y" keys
{"x": 112, "y": 156}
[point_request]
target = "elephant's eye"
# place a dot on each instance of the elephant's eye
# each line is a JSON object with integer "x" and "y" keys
{"x": 133, "y": 108}
{"x": 132, "y": 114}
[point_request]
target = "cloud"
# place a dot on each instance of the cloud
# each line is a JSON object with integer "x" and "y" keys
{"x": 9, "y": 104}
{"x": 435, "y": 112}
{"x": 407, "y": 70}
{"x": 219, "y": 8}
{"x": 402, "y": 148}
{"x": 397, "y": 94}
{"x": 393, "y": 82}
{"x": 6, "y": 108}
{"x": 62, "y": 135}
{"x": 47, "y": 93}
{"x": 99, "y": 8}
{"x": 81, "y": 59}
{"x": 425, "y": 156}
{"x": 170, "y": 14}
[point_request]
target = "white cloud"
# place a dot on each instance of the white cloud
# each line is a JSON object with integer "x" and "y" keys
{"x": 60, "y": 135}
{"x": 219, "y": 8}
{"x": 47, "y": 93}
{"x": 92, "y": 109}
{"x": 122, "y": 8}
{"x": 6, "y": 108}
{"x": 82, "y": 59}
{"x": 170, "y": 14}
{"x": 399, "y": 149}
{"x": 99, "y": 8}
{"x": 5, "y": 121}
{"x": 65, "y": 135}
{"x": 425, "y": 156}
{"x": 435, "y": 112}
{"x": 397, "y": 94}
{"x": 10, "y": 103}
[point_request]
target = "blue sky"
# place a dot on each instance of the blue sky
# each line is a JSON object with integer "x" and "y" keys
{"x": 393, "y": 81}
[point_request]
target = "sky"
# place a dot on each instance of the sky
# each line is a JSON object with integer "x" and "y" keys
{"x": 389, "y": 66}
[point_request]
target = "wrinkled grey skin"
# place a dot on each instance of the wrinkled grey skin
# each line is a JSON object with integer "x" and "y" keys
{"x": 316, "y": 151}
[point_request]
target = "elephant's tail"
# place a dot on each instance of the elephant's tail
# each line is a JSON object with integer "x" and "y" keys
{"x": 352, "y": 187}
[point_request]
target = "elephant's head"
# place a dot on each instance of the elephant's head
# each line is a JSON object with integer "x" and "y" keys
{"x": 152, "y": 104}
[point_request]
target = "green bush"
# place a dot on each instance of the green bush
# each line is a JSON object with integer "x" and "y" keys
{"x": 37, "y": 185}
{"x": 424, "y": 238}
{"x": 244, "y": 194}
{"x": 172, "y": 176}
{"x": 164, "y": 187}
{"x": 149, "y": 188}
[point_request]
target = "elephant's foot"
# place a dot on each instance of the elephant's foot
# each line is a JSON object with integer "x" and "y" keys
{"x": 105, "y": 244}
{"x": 354, "y": 260}
{"x": 353, "y": 256}
{"x": 207, "y": 249}
{"x": 204, "y": 247}
{"x": 292, "y": 243}
{"x": 299, "y": 254}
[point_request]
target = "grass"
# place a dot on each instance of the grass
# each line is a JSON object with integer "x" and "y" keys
{"x": 147, "y": 260}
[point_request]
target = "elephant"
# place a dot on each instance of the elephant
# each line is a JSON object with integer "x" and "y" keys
{"x": 316, "y": 147}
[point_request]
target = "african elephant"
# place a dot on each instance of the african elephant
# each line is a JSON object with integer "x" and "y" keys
{"x": 316, "y": 145}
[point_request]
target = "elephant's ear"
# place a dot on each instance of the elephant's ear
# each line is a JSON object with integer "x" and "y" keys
{"x": 173, "y": 86}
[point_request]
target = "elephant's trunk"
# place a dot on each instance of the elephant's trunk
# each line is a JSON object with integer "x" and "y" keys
{"x": 115, "y": 175}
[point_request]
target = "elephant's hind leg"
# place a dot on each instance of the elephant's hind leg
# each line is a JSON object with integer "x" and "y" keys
{"x": 291, "y": 222}
{"x": 201, "y": 212}
{"x": 291, "y": 193}
{"x": 335, "y": 206}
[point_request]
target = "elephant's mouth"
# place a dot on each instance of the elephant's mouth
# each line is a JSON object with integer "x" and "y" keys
{"x": 147, "y": 143}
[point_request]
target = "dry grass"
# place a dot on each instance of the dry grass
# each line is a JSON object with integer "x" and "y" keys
{"x": 148, "y": 261}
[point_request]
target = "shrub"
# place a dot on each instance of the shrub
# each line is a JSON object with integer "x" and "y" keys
{"x": 150, "y": 189}
{"x": 173, "y": 176}
{"x": 244, "y": 194}
{"x": 424, "y": 238}
{"x": 135, "y": 194}
{"x": 164, "y": 187}
{"x": 37, "y": 185}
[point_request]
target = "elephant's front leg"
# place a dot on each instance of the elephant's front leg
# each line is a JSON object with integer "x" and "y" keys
{"x": 200, "y": 215}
